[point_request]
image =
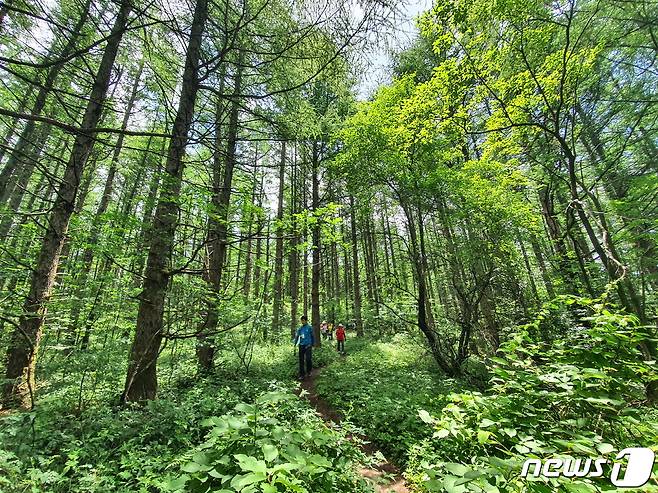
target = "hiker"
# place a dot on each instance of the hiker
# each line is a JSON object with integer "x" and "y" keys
{"x": 323, "y": 330}
{"x": 330, "y": 331}
{"x": 340, "y": 338}
{"x": 304, "y": 339}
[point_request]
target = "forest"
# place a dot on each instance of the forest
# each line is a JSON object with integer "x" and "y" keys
{"x": 198, "y": 195}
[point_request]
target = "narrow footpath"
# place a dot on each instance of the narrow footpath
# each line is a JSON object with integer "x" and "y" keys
{"x": 384, "y": 476}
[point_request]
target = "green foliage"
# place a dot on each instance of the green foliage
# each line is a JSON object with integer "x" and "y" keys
{"x": 379, "y": 387}
{"x": 272, "y": 445}
{"x": 56, "y": 448}
{"x": 75, "y": 441}
{"x": 577, "y": 395}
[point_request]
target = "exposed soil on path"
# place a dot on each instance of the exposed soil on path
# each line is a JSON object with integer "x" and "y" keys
{"x": 384, "y": 476}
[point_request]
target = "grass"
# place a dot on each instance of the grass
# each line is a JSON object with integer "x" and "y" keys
{"x": 381, "y": 386}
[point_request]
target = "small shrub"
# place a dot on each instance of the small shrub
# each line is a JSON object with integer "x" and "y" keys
{"x": 580, "y": 395}
{"x": 269, "y": 446}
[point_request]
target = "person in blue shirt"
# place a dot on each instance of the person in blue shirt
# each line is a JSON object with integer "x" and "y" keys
{"x": 304, "y": 339}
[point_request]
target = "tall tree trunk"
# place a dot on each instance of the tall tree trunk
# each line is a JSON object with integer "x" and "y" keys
{"x": 14, "y": 126}
{"x": 315, "y": 234}
{"x": 278, "y": 255}
{"x": 141, "y": 379}
{"x": 526, "y": 261}
{"x": 421, "y": 280}
{"x": 23, "y": 148}
{"x": 305, "y": 252}
{"x": 374, "y": 263}
{"x": 17, "y": 188}
{"x": 97, "y": 222}
{"x": 347, "y": 275}
{"x": 604, "y": 248}
{"x": 22, "y": 352}
{"x": 557, "y": 240}
{"x": 259, "y": 241}
{"x": 246, "y": 285}
{"x": 218, "y": 220}
{"x": 293, "y": 260}
{"x": 539, "y": 256}
{"x": 145, "y": 230}
{"x": 356, "y": 282}
{"x": 616, "y": 186}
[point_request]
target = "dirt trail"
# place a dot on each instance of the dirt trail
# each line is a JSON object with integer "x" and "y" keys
{"x": 384, "y": 476}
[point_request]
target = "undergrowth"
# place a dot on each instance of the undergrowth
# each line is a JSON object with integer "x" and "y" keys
{"x": 78, "y": 439}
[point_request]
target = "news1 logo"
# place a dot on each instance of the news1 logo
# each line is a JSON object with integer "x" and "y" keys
{"x": 636, "y": 472}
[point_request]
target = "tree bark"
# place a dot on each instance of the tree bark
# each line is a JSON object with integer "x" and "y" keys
{"x": 356, "y": 282}
{"x": 218, "y": 220}
{"x": 293, "y": 260}
{"x": 246, "y": 285}
{"x": 22, "y": 353}
{"x": 278, "y": 253}
{"x": 97, "y": 222}
{"x": 23, "y": 148}
{"x": 316, "y": 271}
{"x": 141, "y": 378}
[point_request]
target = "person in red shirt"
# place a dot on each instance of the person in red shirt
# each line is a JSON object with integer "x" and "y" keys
{"x": 340, "y": 337}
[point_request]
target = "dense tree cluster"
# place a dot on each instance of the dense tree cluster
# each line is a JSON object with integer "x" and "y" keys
{"x": 140, "y": 147}
{"x": 517, "y": 145}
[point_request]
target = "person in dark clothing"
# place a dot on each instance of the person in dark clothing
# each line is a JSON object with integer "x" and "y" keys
{"x": 304, "y": 339}
{"x": 340, "y": 338}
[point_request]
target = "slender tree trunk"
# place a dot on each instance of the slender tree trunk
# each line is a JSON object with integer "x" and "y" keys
{"x": 14, "y": 126}
{"x": 294, "y": 255}
{"x": 536, "y": 250}
{"x": 305, "y": 252}
{"x": 23, "y": 148}
{"x": 96, "y": 225}
{"x": 128, "y": 194}
{"x": 429, "y": 313}
{"x": 345, "y": 259}
{"x": 421, "y": 280}
{"x": 356, "y": 283}
{"x": 145, "y": 230}
{"x": 316, "y": 271}
{"x": 526, "y": 261}
{"x": 22, "y": 353}
{"x": 17, "y": 188}
{"x": 259, "y": 242}
{"x": 246, "y": 285}
{"x": 605, "y": 248}
{"x": 218, "y": 220}
{"x": 374, "y": 263}
{"x": 278, "y": 255}
{"x": 141, "y": 378}
{"x": 557, "y": 240}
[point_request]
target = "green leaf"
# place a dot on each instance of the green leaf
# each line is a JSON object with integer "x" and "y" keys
{"x": 194, "y": 467}
{"x": 425, "y": 416}
{"x": 605, "y": 448}
{"x": 456, "y": 469}
{"x": 177, "y": 483}
{"x": 270, "y": 452}
{"x": 248, "y": 463}
{"x": 240, "y": 482}
{"x": 442, "y": 433}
